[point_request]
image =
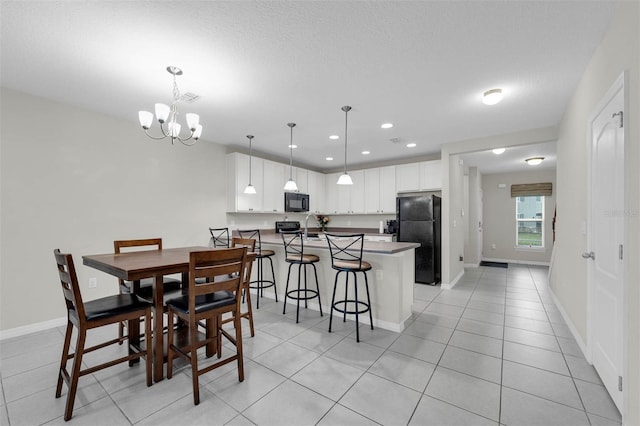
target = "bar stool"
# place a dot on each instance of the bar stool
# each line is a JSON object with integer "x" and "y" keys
{"x": 261, "y": 283}
{"x": 346, "y": 256}
{"x": 219, "y": 237}
{"x": 294, "y": 255}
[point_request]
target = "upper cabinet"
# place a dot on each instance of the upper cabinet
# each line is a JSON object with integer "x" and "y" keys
{"x": 238, "y": 175}
{"x": 423, "y": 176}
{"x": 380, "y": 190}
{"x": 431, "y": 175}
{"x": 273, "y": 182}
{"x": 373, "y": 191}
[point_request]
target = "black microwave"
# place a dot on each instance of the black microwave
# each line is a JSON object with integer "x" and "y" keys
{"x": 296, "y": 202}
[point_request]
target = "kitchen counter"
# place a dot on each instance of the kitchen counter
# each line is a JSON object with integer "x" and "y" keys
{"x": 391, "y": 278}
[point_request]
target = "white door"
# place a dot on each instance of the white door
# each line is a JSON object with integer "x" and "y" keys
{"x": 606, "y": 239}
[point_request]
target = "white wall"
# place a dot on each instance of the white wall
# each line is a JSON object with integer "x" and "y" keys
{"x": 499, "y": 211}
{"x": 474, "y": 218}
{"x": 619, "y": 51}
{"x": 77, "y": 180}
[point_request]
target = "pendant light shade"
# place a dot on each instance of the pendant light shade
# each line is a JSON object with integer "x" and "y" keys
{"x": 291, "y": 184}
{"x": 344, "y": 178}
{"x": 250, "y": 189}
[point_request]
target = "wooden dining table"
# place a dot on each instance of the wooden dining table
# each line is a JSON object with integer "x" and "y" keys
{"x": 134, "y": 266}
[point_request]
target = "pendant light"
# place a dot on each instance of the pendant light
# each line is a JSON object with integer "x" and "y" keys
{"x": 291, "y": 184}
{"x": 344, "y": 178}
{"x": 250, "y": 189}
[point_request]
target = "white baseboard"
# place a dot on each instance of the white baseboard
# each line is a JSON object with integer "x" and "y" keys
{"x": 574, "y": 331}
{"x": 472, "y": 265}
{"x": 521, "y": 262}
{"x": 449, "y": 286}
{"x": 32, "y": 328}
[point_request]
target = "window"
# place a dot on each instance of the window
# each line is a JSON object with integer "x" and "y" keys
{"x": 530, "y": 221}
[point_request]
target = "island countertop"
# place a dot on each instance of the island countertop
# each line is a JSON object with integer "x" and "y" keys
{"x": 379, "y": 247}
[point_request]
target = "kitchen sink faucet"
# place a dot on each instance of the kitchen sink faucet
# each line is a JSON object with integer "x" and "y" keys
{"x": 306, "y": 222}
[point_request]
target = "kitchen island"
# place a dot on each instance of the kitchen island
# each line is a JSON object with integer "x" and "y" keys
{"x": 391, "y": 278}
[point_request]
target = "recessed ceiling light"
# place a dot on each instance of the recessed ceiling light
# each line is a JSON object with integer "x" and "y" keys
{"x": 292, "y": 146}
{"x": 499, "y": 151}
{"x": 366, "y": 152}
{"x": 334, "y": 137}
{"x": 387, "y": 126}
{"x": 411, "y": 145}
{"x": 492, "y": 97}
{"x": 534, "y": 161}
{"x": 329, "y": 158}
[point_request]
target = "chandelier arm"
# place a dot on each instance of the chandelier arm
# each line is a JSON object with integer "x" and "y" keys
{"x": 184, "y": 141}
{"x": 158, "y": 138}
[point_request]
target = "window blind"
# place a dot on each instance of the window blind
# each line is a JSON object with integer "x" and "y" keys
{"x": 531, "y": 189}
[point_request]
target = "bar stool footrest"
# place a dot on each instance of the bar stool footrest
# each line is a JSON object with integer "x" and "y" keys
{"x": 357, "y": 303}
{"x": 294, "y": 294}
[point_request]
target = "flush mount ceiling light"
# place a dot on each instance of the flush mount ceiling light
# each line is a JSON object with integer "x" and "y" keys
{"x": 534, "y": 161}
{"x": 344, "y": 178}
{"x": 387, "y": 125}
{"x": 291, "y": 184}
{"x": 169, "y": 115}
{"x": 492, "y": 97}
{"x": 250, "y": 188}
{"x": 498, "y": 151}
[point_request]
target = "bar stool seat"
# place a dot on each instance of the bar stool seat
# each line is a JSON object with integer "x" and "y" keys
{"x": 261, "y": 282}
{"x": 346, "y": 256}
{"x": 294, "y": 255}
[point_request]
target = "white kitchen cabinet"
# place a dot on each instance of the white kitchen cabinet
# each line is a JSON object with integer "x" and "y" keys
{"x": 331, "y": 193}
{"x": 301, "y": 178}
{"x": 350, "y": 198}
{"x": 408, "y": 177}
{"x": 273, "y": 183}
{"x": 238, "y": 178}
{"x": 380, "y": 190}
{"x": 431, "y": 175}
{"x": 315, "y": 183}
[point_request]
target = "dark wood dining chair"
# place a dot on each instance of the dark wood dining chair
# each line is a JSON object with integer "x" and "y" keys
{"x": 144, "y": 288}
{"x": 250, "y": 244}
{"x": 208, "y": 301}
{"x": 85, "y": 316}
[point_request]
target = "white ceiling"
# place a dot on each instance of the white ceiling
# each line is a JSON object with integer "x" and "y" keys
{"x": 421, "y": 65}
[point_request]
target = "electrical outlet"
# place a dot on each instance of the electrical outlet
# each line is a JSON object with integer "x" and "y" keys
{"x": 93, "y": 282}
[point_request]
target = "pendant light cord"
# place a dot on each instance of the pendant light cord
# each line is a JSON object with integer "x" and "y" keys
{"x": 346, "y": 110}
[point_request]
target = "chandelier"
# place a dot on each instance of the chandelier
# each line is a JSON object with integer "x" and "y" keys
{"x": 169, "y": 115}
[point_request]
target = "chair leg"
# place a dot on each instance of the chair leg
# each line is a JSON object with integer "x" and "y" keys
{"x": 75, "y": 375}
{"x": 366, "y": 283}
{"x": 120, "y": 332}
{"x": 239, "y": 352}
{"x": 148, "y": 358}
{"x": 249, "y": 310}
{"x": 286, "y": 290}
{"x": 65, "y": 357}
{"x": 346, "y": 291}
{"x": 357, "y": 308}
{"x": 315, "y": 271}
{"x": 194, "y": 364}
{"x": 170, "y": 345}
{"x": 259, "y": 283}
{"x": 333, "y": 300}
{"x": 273, "y": 276}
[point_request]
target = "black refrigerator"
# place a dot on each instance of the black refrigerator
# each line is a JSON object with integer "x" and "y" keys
{"x": 419, "y": 222}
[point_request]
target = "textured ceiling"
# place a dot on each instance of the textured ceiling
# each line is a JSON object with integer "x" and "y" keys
{"x": 260, "y": 65}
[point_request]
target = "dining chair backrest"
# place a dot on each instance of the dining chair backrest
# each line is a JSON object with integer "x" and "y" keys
{"x": 293, "y": 244}
{"x": 253, "y": 234}
{"x": 219, "y": 237}
{"x": 136, "y": 245}
{"x": 345, "y": 249}
{"x": 226, "y": 265}
{"x": 70, "y": 286}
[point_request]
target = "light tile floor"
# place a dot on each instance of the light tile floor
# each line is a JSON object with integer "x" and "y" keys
{"x": 492, "y": 351}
